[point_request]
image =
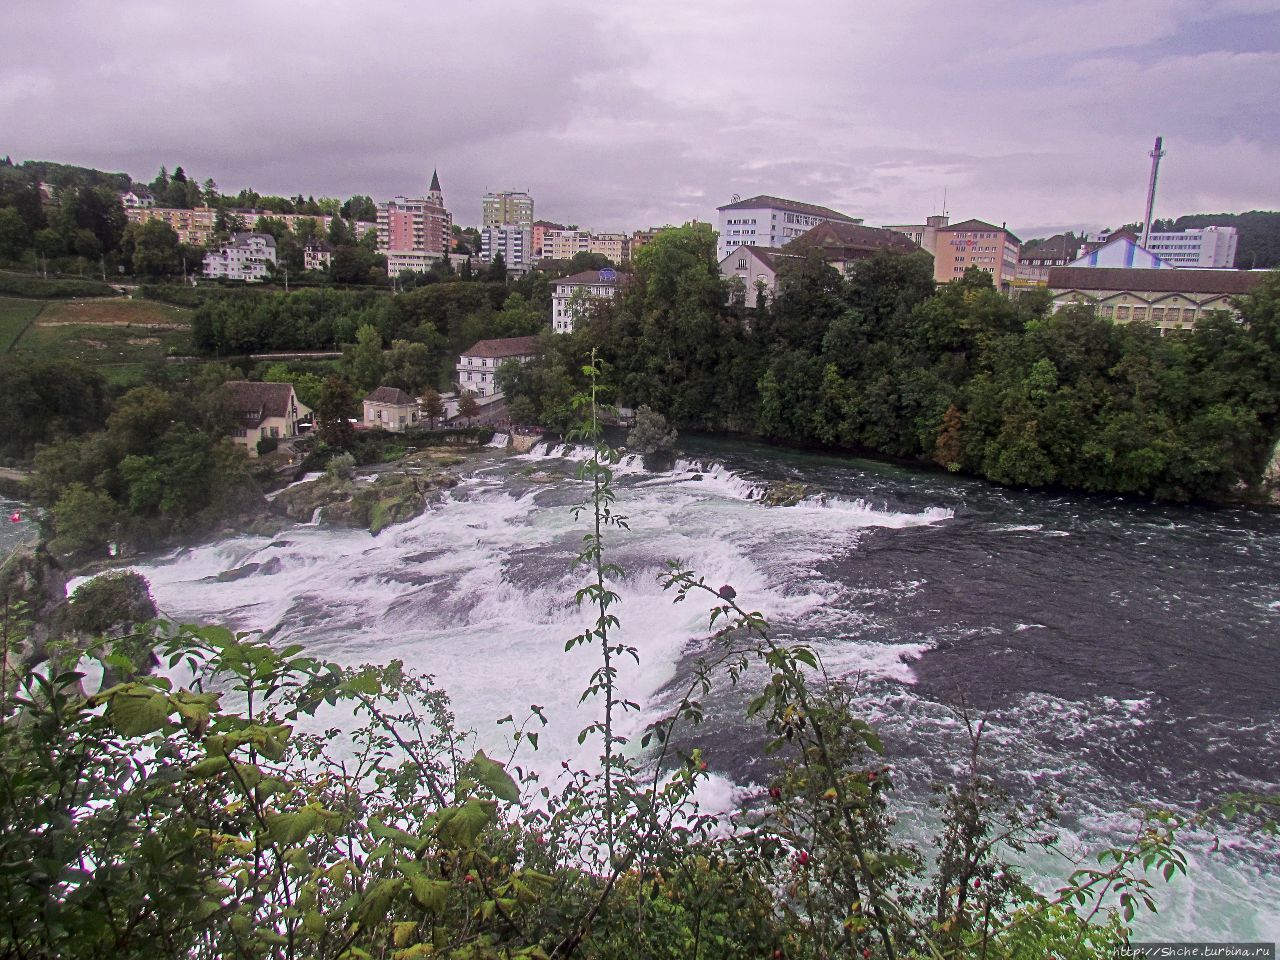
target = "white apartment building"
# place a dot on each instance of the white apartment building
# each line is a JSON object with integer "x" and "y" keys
{"x": 513, "y": 241}
{"x": 1200, "y": 247}
{"x": 766, "y": 221}
{"x": 563, "y": 244}
{"x": 244, "y": 257}
{"x": 507, "y": 207}
{"x": 478, "y": 365}
{"x": 565, "y": 310}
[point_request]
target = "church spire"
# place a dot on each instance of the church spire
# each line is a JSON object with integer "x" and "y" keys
{"x": 435, "y": 182}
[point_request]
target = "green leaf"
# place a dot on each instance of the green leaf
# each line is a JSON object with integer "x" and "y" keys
{"x": 137, "y": 710}
{"x": 429, "y": 894}
{"x": 396, "y": 835}
{"x": 494, "y": 776}
{"x": 293, "y": 828}
{"x": 459, "y": 826}
{"x": 208, "y": 767}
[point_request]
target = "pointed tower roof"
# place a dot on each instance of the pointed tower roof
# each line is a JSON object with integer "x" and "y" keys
{"x": 435, "y": 182}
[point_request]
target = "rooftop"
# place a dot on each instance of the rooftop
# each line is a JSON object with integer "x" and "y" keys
{"x": 795, "y": 206}
{"x": 980, "y": 225}
{"x": 592, "y": 276}
{"x": 510, "y": 347}
{"x": 253, "y": 402}
{"x": 1233, "y": 282}
{"x": 849, "y": 241}
{"x": 392, "y": 396}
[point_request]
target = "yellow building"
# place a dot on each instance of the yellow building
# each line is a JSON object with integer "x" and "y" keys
{"x": 1167, "y": 299}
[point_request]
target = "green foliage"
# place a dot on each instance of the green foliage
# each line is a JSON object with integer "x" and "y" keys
{"x": 341, "y": 466}
{"x": 82, "y": 519}
{"x": 43, "y": 400}
{"x": 111, "y": 601}
{"x": 22, "y": 285}
{"x": 650, "y": 434}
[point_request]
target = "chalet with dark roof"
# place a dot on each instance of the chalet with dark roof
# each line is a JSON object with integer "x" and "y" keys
{"x": 263, "y": 411}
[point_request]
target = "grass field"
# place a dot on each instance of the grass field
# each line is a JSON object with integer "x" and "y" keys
{"x": 14, "y": 317}
{"x": 118, "y": 337}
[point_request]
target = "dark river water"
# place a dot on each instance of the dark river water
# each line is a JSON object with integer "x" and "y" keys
{"x": 1120, "y": 653}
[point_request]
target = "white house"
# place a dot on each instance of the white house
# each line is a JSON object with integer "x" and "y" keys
{"x": 478, "y": 365}
{"x": 602, "y": 284}
{"x": 317, "y": 255}
{"x": 390, "y": 408}
{"x": 244, "y": 257}
{"x": 766, "y": 221}
{"x": 137, "y": 199}
{"x": 751, "y": 270}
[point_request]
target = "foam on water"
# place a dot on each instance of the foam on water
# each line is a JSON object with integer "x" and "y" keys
{"x": 478, "y": 592}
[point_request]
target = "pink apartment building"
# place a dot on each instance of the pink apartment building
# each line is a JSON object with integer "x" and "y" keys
{"x": 421, "y": 225}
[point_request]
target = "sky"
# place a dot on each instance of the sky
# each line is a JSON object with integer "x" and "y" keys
{"x": 619, "y": 116}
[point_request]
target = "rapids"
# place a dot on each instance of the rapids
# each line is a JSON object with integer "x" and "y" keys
{"x": 1122, "y": 653}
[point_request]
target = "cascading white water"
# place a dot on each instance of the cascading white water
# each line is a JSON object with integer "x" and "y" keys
{"x": 478, "y": 592}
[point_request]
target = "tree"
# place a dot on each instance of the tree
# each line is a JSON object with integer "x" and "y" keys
{"x": 15, "y": 238}
{"x": 409, "y": 366}
{"x": 82, "y": 519}
{"x": 360, "y": 207}
{"x": 333, "y": 411}
{"x": 432, "y": 406}
{"x": 368, "y": 365}
{"x": 467, "y": 406}
{"x": 153, "y": 249}
{"x": 498, "y": 269}
{"x": 651, "y": 435}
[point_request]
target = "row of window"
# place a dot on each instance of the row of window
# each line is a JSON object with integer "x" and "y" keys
{"x": 1157, "y": 314}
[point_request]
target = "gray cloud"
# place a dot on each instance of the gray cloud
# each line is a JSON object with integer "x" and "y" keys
{"x": 1036, "y": 113}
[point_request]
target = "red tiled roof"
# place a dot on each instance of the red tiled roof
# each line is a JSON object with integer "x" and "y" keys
{"x": 589, "y": 276}
{"x": 510, "y": 347}
{"x": 849, "y": 241}
{"x": 980, "y": 225}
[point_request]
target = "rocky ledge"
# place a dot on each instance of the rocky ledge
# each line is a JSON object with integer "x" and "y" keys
{"x": 392, "y": 496}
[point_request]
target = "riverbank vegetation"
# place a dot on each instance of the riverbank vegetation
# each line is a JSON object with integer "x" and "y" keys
{"x": 882, "y": 361}
{"x": 279, "y": 806}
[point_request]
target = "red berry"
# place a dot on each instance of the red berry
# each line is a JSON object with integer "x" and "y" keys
{"x": 777, "y": 955}
{"x": 802, "y": 858}
{"x": 565, "y": 764}
{"x": 866, "y": 952}
{"x": 775, "y": 793}
{"x": 469, "y": 879}
{"x": 871, "y": 777}
{"x": 977, "y": 884}
{"x": 702, "y": 765}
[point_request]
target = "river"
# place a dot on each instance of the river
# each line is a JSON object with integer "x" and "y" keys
{"x": 1122, "y": 653}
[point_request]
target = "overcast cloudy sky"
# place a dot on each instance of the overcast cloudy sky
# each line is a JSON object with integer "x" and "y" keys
{"x": 622, "y": 115}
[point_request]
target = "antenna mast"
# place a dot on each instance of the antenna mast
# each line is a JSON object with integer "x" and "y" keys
{"x": 1155, "y": 156}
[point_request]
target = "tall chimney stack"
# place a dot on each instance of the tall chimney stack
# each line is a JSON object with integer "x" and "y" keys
{"x": 1155, "y": 156}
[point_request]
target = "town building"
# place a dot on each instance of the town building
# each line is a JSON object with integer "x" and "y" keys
{"x": 752, "y": 272}
{"x": 540, "y": 228}
{"x": 390, "y": 408}
{"x": 246, "y": 256}
{"x": 317, "y": 255}
{"x": 615, "y": 246}
{"x": 565, "y": 244}
{"x": 924, "y": 235}
{"x": 478, "y": 365}
{"x": 1199, "y": 247}
{"x": 844, "y": 244}
{"x": 507, "y": 207}
{"x": 263, "y": 411}
{"x": 766, "y": 221}
{"x": 976, "y": 243}
{"x": 1121, "y": 250}
{"x": 1167, "y": 299}
{"x": 422, "y": 227}
{"x": 571, "y": 293}
{"x": 513, "y": 241}
{"x": 194, "y": 227}
{"x": 249, "y": 219}
{"x": 1034, "y": 261}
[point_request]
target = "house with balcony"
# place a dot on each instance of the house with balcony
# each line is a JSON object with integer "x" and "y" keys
{"x": 572, "y": 293}
{"x": 478, "y": 365}
{"x": 246, "y": 256}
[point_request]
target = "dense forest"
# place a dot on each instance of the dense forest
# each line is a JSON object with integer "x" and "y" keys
{"x": 961, "y": 376}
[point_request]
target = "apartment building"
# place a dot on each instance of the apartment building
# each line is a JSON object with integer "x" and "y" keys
{"x": 194, "y": 227}
{"x": 507, "y": 207}
{"x": 317, "y": 255}
{"x": 766, "y": 221}
{"x": 513, "y": 241}
{"x": 1034, "y": 263}
{"x": 845, "y": 244}
{"x": 571, "y": 292}
{"x": 246, "y": 256}
{"x": 540, "y": 228}
{"x": 420, "y": 227}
